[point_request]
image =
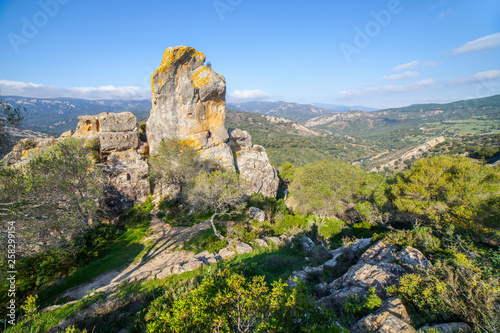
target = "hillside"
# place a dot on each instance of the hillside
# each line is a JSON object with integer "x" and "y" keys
{"x": 288, "y": 141}
{"x": 453, "y": 119}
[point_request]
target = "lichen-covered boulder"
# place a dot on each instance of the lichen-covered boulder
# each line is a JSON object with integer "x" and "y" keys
{"x": 239, "y": 139}
{"x": 257, "y": 214}
{"x": 188, "y": 101}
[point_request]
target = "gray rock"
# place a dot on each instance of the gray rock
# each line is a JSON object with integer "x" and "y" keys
{"x": 116, "y": 141}
{"x": 257, "y": 214}
{"x": 391, "y": 317}
{"x": 191, "y": 265}
{"x": 240, "y": 139}
{"x": 374, "y": 269}
{"x": 227, "y": 252}
{"x": 261, "y": 242}
{"x": 413, "y": 257}
{"x": 446, "y": 328}
{"x": 274, "y": 240}
{"x": 242, "y": 248}
{"x": 257, "y": 171}
{"x": 307, "y": 245}
{"x": 117, "y": 122}
{"x": 221, "y": 154}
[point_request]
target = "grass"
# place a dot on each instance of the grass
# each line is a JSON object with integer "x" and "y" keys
{"x": 125, "y": 249}
{"x": 205, "y": 240}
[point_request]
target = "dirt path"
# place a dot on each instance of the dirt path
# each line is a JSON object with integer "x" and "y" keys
{"x": 163, "y": 253}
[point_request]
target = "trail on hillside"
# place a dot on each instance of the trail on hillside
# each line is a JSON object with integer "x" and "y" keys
{"x": 164, "y": 253}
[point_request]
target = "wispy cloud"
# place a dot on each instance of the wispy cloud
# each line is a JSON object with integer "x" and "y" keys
{"x": 405, "y": 75}
{"x": 247, "y": 95}
{"x": 489, "y": 75}
{"x": 385, "y": 90}
{"x": 30, "y": 89}
{"x": 430, "y": 64}
{"x": 483, "y": 43}
{"x": 405, "y": 67}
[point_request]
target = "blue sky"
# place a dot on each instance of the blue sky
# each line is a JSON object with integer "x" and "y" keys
{"x": 373, "y": 53}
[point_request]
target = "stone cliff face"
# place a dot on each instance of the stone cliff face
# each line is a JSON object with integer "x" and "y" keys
{"x": 188, "y": 103}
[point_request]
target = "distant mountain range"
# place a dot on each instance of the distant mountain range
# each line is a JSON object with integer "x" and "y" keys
{"x": 344, "y": 108}
{"x": 57, "y": 115}
{"x": 293, "y": 111}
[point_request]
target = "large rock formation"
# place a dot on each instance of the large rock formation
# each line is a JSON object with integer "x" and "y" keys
{"x": 188, "y": 103}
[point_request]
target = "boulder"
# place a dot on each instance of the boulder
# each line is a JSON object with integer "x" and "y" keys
{"x": 242, "y": 248}
{"x": 25, "y": 149}
{"x": 87, "y": 126}
{"x": 227, "y": 252}
{"x": 114, "y": 141}
{"x": 117, "y": 122}
{"x": 239, "y": 139}
{"x": 261, "y": 242}
{"x": 254, "y": 167}
{"x": 374, "y": 269}
{"x": 390, "y": 318}
{"x": 257, "y": 214}
{"x": 413, "y": 257}
{"x": 221, "y": 154}
{"x": 188, "y": 101}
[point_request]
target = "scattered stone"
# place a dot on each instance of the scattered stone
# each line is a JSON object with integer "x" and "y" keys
{"x": 239, "y": 140}
{"x": 192, "y": 265}
{"x": 391, "y": 317}
{"x": 227, "y": 252}
{"x": 242, "y": 248}
{"x": 274, "y": 240}
{"x": 261, "y": 242}
{"x": 257, "y": 214}
{"x": 413, "y": 257}
{"x": 307, "y": 245}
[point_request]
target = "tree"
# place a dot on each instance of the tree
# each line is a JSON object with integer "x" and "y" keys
{"x": 55, "y": 196}
{"x": 447, "y": 187}
{"x": 177, "y": 164}
{"x": 218, "y": 192}
{"x": 9, "y": 115}
{"x": 329, "y": 188}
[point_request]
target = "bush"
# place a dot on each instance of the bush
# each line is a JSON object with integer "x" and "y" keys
{"x": 356, "y": 308}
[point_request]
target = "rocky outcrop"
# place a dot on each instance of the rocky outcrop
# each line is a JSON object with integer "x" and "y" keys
{"x": 391, "y": 317}
{"x": 188, "y": 101}
{"x": 25, "y": 149}
{"x": 253, "y": 164}
{"x": 188, "y": 104}
{"x": 121, "y": 153}
{"x": 257, "y": 214}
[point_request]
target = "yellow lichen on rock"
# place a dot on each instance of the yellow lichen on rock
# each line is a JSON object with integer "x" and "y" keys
{"x": 202, "y": 77}
{"x": 173, "y": 54}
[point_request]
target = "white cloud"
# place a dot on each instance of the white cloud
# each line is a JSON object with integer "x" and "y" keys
{"x": 30, "y": 89}
{"x": 405, "y": 67}
{"x": 492, "y": 74}
{"x": 405, "y": 75}
{"x": 483, "y": 43}
{"x": 386, "y": 90}
{"x": 247, "y": 95}
{"x": 430, "y": 64}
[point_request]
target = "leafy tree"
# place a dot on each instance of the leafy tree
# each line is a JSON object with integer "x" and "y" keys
{"x": 234, "y": 304}
{"x": 219, "y": 192}
{"x": 177, "y": 164}
{"x": 9, "y": 115}
{"x": 329, "y": 188}
{"x": 55, "y": 196}
{"x": 448, "y": 189}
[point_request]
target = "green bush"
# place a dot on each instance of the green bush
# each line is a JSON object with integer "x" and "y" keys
{"x": 356, "y": 307}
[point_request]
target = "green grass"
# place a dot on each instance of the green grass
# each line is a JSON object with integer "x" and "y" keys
{"x": 205, "y": 240}
{"x": 125, "y": 249}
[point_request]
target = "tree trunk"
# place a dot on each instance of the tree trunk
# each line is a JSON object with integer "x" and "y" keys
{"x": 213, "y": 227}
